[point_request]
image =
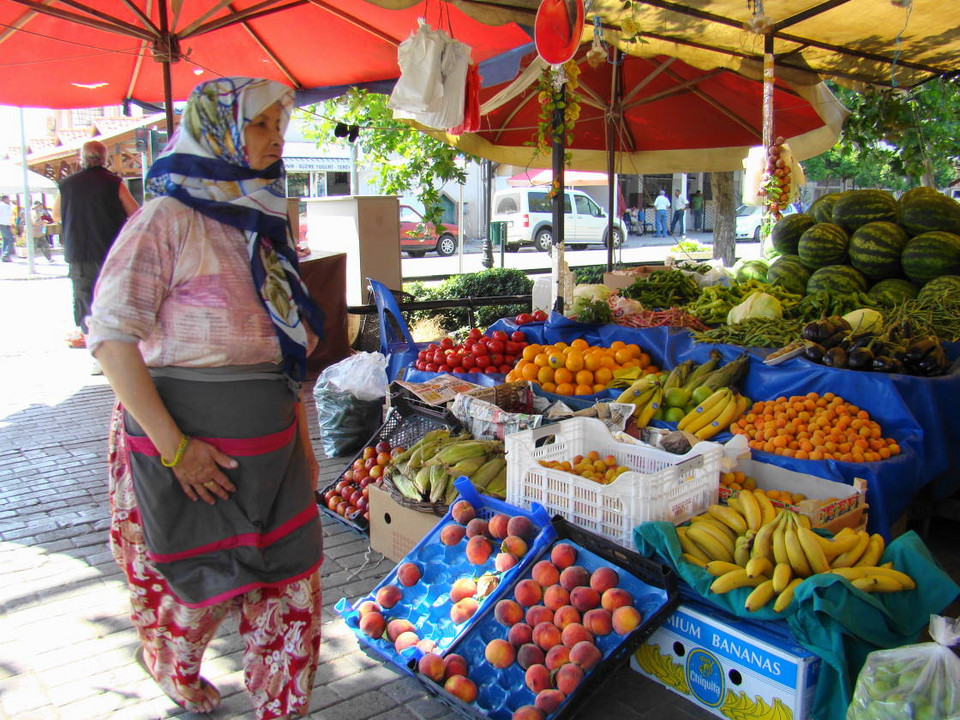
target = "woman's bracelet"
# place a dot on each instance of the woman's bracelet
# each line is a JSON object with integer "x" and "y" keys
{"x": 181, "y": 449}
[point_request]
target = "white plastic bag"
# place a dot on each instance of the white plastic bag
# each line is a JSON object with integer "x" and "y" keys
{"x": 913, "y": 682}
{"x": 363, "y": 375}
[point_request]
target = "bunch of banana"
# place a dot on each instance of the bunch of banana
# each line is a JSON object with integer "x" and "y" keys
{"x": 714, "y": 414}
{"x": 427, "y": 470}
{"x": 647, "y": 395}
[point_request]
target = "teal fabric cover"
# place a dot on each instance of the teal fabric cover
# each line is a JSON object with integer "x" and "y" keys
{"x": 829, "y": 616}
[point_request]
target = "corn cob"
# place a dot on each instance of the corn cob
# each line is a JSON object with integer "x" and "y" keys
{"x": 439, "y": 479}
{"x": 430, "y": 437}
{"x": 488, "y": 471}
{"x": 421, "y": 480}
{"x": 456, "y": 452}
{"x": 498, "y": 486}
{"x": 405, "y": 486}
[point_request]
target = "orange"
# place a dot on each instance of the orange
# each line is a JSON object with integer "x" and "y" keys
{"x": 541, "y": 360}
{"x": 549, "y": 387}
{"x": 583, "y": 390}
{"x": 560, "y": 345}
{"x": 634, "y": 349}
{"x": 622, "y": 356}
{"x": 531, "y": 351}
{"x": 591, "y": 360}
{"x": 564, "y": 389}
{"x": 608, "y": 362}
{"x": 603, "y": 375}
{"x": 574, "y": 361}
{"x": 585, "y": 377}
{"x": 555, "y": 360}
{"x": 617, "y": 344}
{"x": 513, "y": 376}
{"x": 579, "y": 344}
{"x": 545, "y": 374}
{"x": 599, "y": 387}
{"x": 530, "y": 371}
{"x": 562, "y": 375}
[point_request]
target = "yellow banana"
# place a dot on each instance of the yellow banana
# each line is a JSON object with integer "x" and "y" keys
{"x": 734, "y": 502}
{"x": 707, "y": 404}
{"x": 855, "y": 573}
{"x": 779, "y": 540}
{"x": 786, "y": 596}
{"x": 743, "y": 404}
{"x": 708, "y": 415}
{"x": 729, "y": 413}
{"x": 803, "y": 520}
{"x": 763, "y": 542}
{"x": 712, "y": 545}
{"x": 839, "y": 545}
{"x": 844, "y": 531}
{"x": 693, "y": 560}
{"x": 733, "y": 580}
{"x": 798, "y": 561}
{"x": 741, "y": 550}
{"x": 759, "y": 566}
{"x": 708, "y": 519}
{"x": 761, "y": 595}
{"x": 729, "y": 517}
{"x": 873, "y": 552}
{"x": 646, "y": 414}
{"x": 768, "y": 512}
{"x": 751, "y": 509}
{"x": 812, "y": 550}
{"x": 720, "y": 567}
{"x": 690, "y": 547}
{"x": 635, "y": 390}
{"x": 884, "y": 584}
{"x": 850, "y": 557}
{"x": 642, "y": 399}
{"x": 782, "y": 575}
{"x": 886, "y": 565}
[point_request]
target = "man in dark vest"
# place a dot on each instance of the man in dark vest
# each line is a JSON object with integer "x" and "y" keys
{"x": 92, "y": 206}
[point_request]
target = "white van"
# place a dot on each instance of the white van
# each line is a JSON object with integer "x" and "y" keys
{"x": 527, "y": 212}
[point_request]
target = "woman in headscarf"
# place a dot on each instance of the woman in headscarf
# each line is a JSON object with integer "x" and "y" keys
{"x": 202, "y": 326}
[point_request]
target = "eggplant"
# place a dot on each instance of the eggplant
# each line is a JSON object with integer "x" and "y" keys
{"x": 860, "y": 358}
{"x": 814, "y": 352}
{"x": 839, "y": 323}
{"x": 860, "y": 340}
{"x": 920, "y": 348}
{"x": 834, "y": 339}
{"x": 835, "y": 357}
{"x": 887, "y": 364}
{"x": 812, "y": 332}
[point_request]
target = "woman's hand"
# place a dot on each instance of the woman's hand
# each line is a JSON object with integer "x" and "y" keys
{"x": 199, "y": 474}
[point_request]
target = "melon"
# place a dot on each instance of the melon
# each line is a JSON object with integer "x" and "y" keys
{"x": 821, "y": 209}
{"x": 875, "y": 249}
{"x": 789, "y": 273}
{"x": 859, "y": 207}
{"x": 839, "y": 279}
{"x": 893, "y": 291}
{"x": 823, "y": 244}
{"x": 922, "y": 212}
{"x": 752, "y": 270}
{"x": 930, "y": 255}
{"x": 916, "y": 192}
{"x": 786, "y": 233}
{"x": 937, "y": 287}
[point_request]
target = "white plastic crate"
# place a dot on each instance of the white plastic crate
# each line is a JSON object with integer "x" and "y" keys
{"x": 660, "y": 485}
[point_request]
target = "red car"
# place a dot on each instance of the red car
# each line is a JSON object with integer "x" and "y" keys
{"x": 418, "y": 238}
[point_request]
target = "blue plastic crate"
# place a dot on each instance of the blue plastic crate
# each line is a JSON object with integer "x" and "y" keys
{"x": 427, "y": 604}
{"x": 501, "y": 691}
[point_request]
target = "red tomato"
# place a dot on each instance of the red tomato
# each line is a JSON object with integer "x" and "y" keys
{"x": 510, "y": 359}
{"x": 506, "y": 368}
{"x": 445, "y": 369}
{"x": 446, "y": 343}
{"x": 432, "y": 367}
{"x": 500, "y": 335}
{"x": 518, "y": 336}
{"x": 497, "y": 359}
{"x": 422, "y": 355}
{"x": 540, "y": 316}
{"x": 482, "y": 361}
{"x": 454, "y": 359}
{"x": 432, "y": 347}
{"x": 491, "y": 370}
{"x": 512, "y": 348}
{"x": 523, "y": 318}
{"x": 468, "y": 362}
{"x": 496, "y": 346}
{"x": 475, "y": 333}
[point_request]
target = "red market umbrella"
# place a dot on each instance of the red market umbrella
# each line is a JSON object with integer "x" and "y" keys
{"x": 545, "y": 177}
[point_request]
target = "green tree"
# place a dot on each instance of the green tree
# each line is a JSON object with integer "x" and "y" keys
{"x": 404, "y": 160}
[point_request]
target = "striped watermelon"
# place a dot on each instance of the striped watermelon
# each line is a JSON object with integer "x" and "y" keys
{"x": 823, "y": 244}
{"x": 786, "y": 233}
{"x": 752, "y": 270}
{"x": 926, "y": 211}
{"x": 837, "y": 279}
{"x": 916, "y": 192}
{"x": 789, "y": 273}
{"x": 875, "y": 249}
{"x": 938, "y": 286}
{"x": 822, "y": 208}
{"x": 893, "y": 291}
{"x": 859, "y": 207}
{"x": 931, "y": 255}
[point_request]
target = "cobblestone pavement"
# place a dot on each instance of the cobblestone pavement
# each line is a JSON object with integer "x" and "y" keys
{"x": 66, "y": 643}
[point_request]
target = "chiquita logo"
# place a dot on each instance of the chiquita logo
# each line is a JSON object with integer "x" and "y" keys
{"x": 705, "y": 676}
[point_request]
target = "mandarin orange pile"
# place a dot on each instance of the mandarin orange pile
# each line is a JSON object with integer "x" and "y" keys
{"x": 578, "y": 368}
{"x": 591, "y": 466}
{"x": 738, "y": 481}
{"x": 811, "y": 427}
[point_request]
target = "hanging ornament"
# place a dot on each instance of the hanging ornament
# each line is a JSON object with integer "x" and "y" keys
{"x": 558, "y": 29}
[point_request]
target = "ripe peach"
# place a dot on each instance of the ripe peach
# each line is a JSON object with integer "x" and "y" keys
{"x": 406, "y": 640}
{"x": 367, "y": 606}
{"x": 452, "y": 534}
{"x": 478, "y": 550}
{"x": 556, "y": 596}
{"x": 545, "y": 573}
{"x": 505, "y": 561}
{"x": 515, "y": 545}
{"x": 427, "y": 645}
{"x": 372, "y": 624}
{"x": 477, "y": 526}
{"x": 568, "y": 677}
{"x": 431, "y": 666}
{"x": 614, "y": 598}
{"x": 574, "y": 633}
{"x": 507, "y": 612}
{"x": 604, "y": 578}
{"x": 497, "y": 526}
{"x": 549, "y": 700}
{"x": 520, "y": 525}
{"x": 574, "y": 576}
{"x": 520, "y": 634}
{"x": 463, "y": 512}
{"x": 454, "y": 664}
{"x": 499, "y": 653}
{"x": 408, "y": 574}
{"x": 537, "y": 678}
{"x": 395, "y": 628}
{"x": 462, "y": 588}
{"x": 585, "y": 654}
{"x": 388, "y": 596}
{"x": 527, "y": 712}
{"x": 626, "y": 619}
{"x": 556, "y": 656}
{"x": 584, "y": 598}
{"x": 528, "y": 592}
{"x": 529, "y": 655}
{"x": 461, "y": 686}
{"x": 538, "y": 614}
{"x": 566, "y": 615}
{"x": 546, "y": 635}
{"x": 598, "y": 621}
{"x": 463, "y": 610}
{"x": 563, "y": 556}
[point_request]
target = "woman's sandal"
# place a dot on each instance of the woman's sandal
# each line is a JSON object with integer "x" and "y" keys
{"x": 210, "y": 693}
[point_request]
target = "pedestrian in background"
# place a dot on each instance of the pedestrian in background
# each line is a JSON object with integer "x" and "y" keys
{"x": 6, "y": 228}
{"x": 696, "y": 204}
{"x": 39, "y": 219}
{"x": 679, "y": 207}
{"x": 661, "y": 205}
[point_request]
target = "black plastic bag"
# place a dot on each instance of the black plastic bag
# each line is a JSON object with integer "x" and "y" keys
{"x": 346, "y": 423}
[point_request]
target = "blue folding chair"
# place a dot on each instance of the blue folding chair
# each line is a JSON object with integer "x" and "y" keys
{"x": 401, "y": 350}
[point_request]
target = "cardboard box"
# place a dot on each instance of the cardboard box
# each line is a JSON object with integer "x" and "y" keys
{"x": 617, "y": 279}
{"x": 395, "y": 529}
{"x": 728, "y": 666}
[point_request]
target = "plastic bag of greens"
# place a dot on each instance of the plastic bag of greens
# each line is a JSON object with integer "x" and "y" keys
{"x": 349, "y": 397}
{"x": 913, "y": 682}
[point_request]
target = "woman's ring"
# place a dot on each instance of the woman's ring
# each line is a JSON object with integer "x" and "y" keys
{"x": 210, "y": 485}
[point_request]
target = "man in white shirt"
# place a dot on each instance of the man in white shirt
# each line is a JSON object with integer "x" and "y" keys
{"x": 6, "y": 231}
{"x": 662, "y": 204}
{"x": 679, "y": 208}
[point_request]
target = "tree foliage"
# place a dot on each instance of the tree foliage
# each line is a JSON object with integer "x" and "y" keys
{"x": 404, "y": 161}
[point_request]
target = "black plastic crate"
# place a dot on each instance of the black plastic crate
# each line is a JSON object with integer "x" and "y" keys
{"x": 504, "y": 683}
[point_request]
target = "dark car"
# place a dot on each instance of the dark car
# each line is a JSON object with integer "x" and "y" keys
{"x": 418, "y": 237}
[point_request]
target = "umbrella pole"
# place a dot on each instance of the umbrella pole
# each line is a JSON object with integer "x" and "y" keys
{"x": 166, "y": 59}
{"x": 559, "y": 194}
{"x": 767, "y": 122}
{"x": 611, "y": 153}
{"x": 26, "y": 210}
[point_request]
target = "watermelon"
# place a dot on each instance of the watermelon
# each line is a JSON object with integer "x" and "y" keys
{"x": 821, "y": 209}
{"x": 916, "y": 192}
{"x": 823, "y": 244}
{"x": 931, "y": 255}
{"x": 859, "y": 207}
{"x": 923, "y": 212}
{"x": 837, "y": 279}
{"x": 786, "y": 233}
{"x": 893, "y": 291}
{"x": 938, "y": 286}
{"x": 875, "y": 249}
{"x": 789, "y": 273}
{"x": 752, "y": 270}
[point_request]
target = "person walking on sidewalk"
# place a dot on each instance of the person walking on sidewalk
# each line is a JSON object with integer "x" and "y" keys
{"x": 39, "y": 219}
{"x": 202, "y": 326}
{"x": 6, "y": 228}
{"x": 696, "y": 204}
{"x": 679, "y": 208}
{"x": 661, "y": 205}
{"x": 92, "y": 205}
